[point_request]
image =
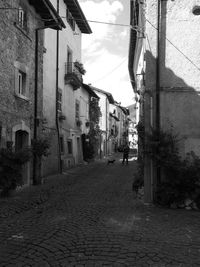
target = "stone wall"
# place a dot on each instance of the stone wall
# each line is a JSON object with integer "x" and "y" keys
{"x": 18, "y": 47}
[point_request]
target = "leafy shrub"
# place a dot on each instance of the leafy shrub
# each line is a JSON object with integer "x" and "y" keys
{"x": 180, "y": 177}
{"x": 40, "y": 147}
{"x": 11, "y": 168}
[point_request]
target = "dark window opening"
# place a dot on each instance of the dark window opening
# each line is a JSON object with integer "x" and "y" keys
{"x": 77, "y": 110}
{"x": 69, "y": 146}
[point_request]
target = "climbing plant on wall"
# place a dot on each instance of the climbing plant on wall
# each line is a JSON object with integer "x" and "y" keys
{"x": 94, "y": 132}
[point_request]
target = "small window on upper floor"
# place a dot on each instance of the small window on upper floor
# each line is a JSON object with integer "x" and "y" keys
{"x": 21, "y": 83}
{"x": 70, "y": 19}
{"x": 21, "y": 80}
{"x": 196, "y": 10}
{"x": 22, "y": 18}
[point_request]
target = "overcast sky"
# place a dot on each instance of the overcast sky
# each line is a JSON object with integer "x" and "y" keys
{"x": 105, "y": 51}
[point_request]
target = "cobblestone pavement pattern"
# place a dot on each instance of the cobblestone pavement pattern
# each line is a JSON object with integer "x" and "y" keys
{"x": 89, "y": 217}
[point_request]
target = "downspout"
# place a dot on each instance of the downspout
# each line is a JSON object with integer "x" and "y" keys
{"x": 35, "y": 105}
{"x": 157, "y": 122}
{"x": 57, "y": 119}
{"x": 106, "y": 128}
{"x": 158, "y": 71}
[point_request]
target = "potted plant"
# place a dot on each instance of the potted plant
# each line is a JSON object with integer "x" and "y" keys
{"x": 80, "y": 67}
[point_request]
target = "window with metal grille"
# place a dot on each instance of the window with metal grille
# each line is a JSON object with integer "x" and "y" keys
{"x": 77, "y": 109}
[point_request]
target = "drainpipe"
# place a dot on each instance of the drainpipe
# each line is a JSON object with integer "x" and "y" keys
{"x": 157, "y": 122}
{"x": 57, "y": 119}
{"x": 158, "y": 71}
{"x": 35, "y": 104}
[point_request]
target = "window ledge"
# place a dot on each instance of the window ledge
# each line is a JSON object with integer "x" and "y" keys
{"x": 22, "y": 97}
{"x": 22, "y": 31}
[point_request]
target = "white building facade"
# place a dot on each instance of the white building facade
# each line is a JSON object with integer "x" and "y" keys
{"x": 65, "y": 103}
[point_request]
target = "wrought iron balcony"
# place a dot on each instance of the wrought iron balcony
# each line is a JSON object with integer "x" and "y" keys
{"x": 73, "y": 75}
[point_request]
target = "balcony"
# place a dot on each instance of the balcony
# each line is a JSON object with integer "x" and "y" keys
{"x": 73, "y": 75}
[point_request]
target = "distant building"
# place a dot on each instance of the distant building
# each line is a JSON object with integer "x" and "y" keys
{"x": 105, "y": 99}
{"x": 21, "y": 67}
{"x": 132, "y": 131}
{"x": 113, "y": 123}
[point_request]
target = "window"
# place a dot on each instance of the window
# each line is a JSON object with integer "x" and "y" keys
{"x": 77, "y": 109}
{"x": 21, "y": 83}
{"x": 22, "y": 22}
{"x": 21, "y": 80}
{"x": 69, "y": 61}
{"x": 70, "y": 19}
{"x": 59, "y": 101}
{"x": 69, "y": 146}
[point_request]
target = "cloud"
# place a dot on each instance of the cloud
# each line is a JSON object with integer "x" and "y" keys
{"x": 110, "y": 73}
{"x": 104, "y": 51}
{"x": 103, "y": 11}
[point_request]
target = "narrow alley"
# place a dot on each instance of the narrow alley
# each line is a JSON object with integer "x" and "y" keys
{"x": 89, "y": 217}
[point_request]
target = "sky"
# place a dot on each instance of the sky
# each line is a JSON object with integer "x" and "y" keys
{"x": 105, "y": 51}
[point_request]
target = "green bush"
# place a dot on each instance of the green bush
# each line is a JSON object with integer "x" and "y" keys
{"x": 10, "y": 168}
{"x": 180, "y": 177}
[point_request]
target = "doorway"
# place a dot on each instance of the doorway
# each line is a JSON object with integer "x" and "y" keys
{"x": 22, "y": 141}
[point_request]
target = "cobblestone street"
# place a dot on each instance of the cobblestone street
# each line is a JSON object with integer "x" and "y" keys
{"x": 88, "y": 217}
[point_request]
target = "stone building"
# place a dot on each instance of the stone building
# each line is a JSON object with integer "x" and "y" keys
{"x": 164, "y": 69}
{"x": 20, "y": 22}
{"x": 64, "y": 96}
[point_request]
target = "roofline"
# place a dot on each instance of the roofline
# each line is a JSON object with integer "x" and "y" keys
{"x": 48, "y": 13}
{"x": 82, "y": 20}
{"x": 109, "y": 95}
{"x": 132, "y": 45}
{"x": 55, "y": 13}
{"x": 90, "y": 91}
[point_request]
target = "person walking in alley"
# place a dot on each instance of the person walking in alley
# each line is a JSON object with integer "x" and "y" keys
{"x": 125, "y": 154}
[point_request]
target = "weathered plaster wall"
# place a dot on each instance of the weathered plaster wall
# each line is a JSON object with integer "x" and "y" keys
{"x": 179, "y": 68}
{"x": 68, "y": 129}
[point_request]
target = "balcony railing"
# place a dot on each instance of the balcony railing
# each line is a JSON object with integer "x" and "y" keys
{"x": 72, "y": 75}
